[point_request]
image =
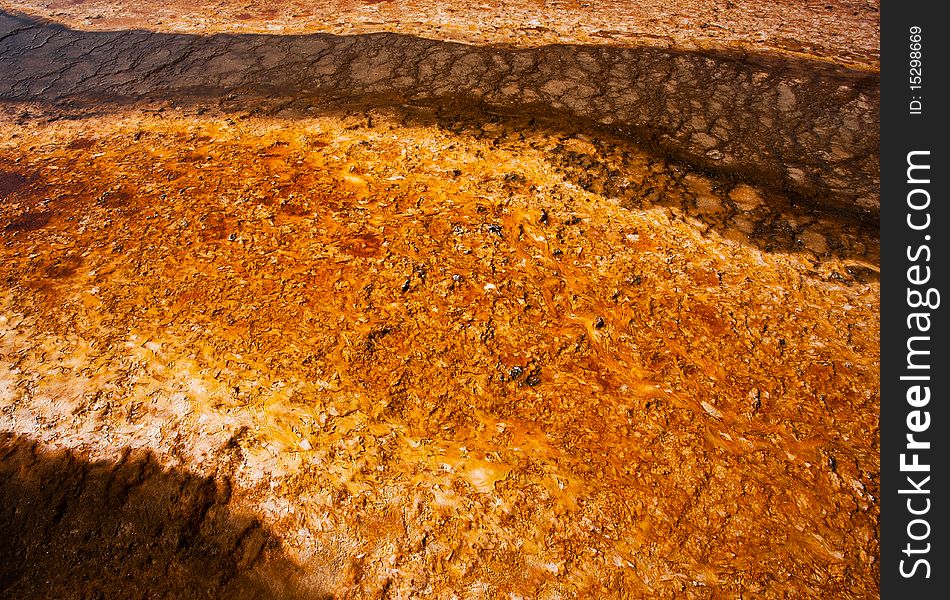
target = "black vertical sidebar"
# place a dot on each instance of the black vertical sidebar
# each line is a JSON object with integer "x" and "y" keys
{"x": 915, "y": 269}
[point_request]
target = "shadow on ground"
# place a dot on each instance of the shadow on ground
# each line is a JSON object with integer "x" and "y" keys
{"x": 131, "y": 529}
{"x": 787, "y": 123}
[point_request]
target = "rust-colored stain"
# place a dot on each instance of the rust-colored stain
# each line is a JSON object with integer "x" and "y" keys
{"x": 520, "y": 362}
{"x": 398, "y": 349}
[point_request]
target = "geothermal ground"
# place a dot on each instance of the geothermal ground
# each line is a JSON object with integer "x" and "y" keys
{"x": 364, "y": 300}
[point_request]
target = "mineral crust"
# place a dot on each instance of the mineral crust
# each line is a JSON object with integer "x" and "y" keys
{"x": 448, "y": 300}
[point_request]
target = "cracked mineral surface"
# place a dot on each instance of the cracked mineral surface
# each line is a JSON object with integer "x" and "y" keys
{"x": 403, "y": 300}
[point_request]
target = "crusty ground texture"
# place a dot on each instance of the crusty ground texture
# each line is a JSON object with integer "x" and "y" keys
{"x": 296, "y": 303}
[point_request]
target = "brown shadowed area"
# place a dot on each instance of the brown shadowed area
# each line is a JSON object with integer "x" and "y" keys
{"x": 797, "y": 125}
{"x": 11, "y": 181}
{"x": 128, "y": 529}
{"x": 839, "y": 31}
